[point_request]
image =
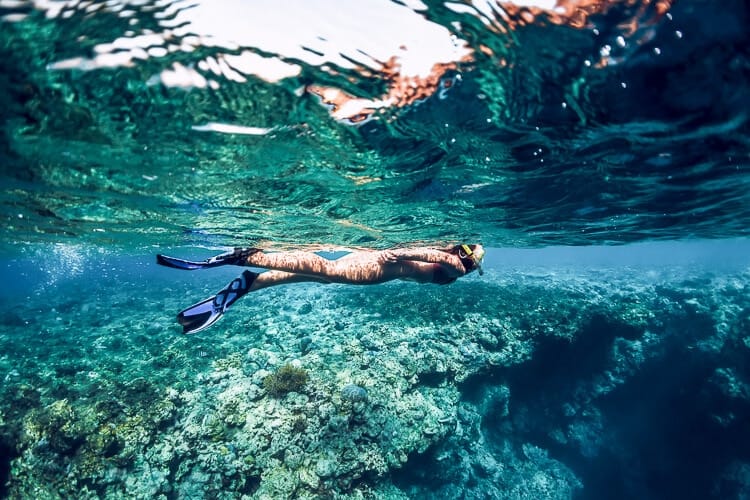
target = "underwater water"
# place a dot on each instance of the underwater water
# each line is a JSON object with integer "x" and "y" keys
{"x": 598, "y": 149}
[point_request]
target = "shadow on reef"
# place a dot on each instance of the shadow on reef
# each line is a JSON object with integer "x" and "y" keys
{"x": 7, "y": 454}
{"x": 665, "y": 429}
{"x": 625, "y": 412}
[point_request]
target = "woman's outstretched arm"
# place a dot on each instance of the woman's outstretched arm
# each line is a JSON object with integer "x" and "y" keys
{"x": 430, "y": 255}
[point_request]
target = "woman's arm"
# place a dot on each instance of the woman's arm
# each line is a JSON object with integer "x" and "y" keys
{"x": 429, "y": 255}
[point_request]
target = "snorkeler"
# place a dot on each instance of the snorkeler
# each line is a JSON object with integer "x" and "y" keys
{"x": 361, "y": 267}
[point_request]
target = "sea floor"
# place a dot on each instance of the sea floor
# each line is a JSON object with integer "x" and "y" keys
{"x": 546, "y": 383}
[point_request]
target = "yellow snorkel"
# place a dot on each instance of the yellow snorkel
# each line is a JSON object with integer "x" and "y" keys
{"x": 475, "y": 256}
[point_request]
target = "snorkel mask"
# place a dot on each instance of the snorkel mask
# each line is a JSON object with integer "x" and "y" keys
{"x": 476, "y": 257}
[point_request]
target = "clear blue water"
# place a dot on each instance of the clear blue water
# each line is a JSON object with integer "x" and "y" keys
{"x": 602, "y": 157}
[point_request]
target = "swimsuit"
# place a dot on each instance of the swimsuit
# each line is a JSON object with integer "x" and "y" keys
{"x": 440, "y": 276}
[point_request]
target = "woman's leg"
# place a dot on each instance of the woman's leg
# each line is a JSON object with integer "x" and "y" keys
{"x": 361, "y": 268}
{"x": 275, "y": 278}
{"x": 356, "y": 268}
{"x": 207, "y": 312}
{"x": 292, "y": 262}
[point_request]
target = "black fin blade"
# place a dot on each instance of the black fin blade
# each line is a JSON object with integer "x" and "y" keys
{"x": 176, "y": 263}
{"x": 199, "y": 316}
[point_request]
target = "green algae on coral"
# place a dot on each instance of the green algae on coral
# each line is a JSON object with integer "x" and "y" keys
{"x": 288, "y": 378}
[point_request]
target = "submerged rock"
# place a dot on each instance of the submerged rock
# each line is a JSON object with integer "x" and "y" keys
{"x": 353, "y": 393}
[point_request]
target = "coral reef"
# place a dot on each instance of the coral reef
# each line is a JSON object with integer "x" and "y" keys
{"x": 521, "y": 388}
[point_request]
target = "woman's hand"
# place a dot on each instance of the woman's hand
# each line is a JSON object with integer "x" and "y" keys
{"x": 387, "y": 257}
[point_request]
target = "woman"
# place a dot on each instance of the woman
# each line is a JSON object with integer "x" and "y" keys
{"x": 361, "y": 267}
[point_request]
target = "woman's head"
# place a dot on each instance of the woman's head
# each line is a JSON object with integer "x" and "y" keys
{"x": 471, "y": 256}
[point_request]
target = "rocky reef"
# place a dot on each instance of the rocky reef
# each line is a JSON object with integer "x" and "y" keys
{"x": 513, "y": 386}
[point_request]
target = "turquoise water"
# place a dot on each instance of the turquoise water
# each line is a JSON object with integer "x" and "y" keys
{"x": 601, "y": 154}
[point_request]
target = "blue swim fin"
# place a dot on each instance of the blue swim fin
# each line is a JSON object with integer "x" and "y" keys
{"x": 237, "y": 257}
{"x": 207, "y": 312}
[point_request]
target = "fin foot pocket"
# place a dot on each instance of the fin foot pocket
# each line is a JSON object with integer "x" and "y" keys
{"x": 237, "y": 257}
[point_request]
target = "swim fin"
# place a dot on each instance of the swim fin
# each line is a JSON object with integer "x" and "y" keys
{"x": 207, "y": 312}
{"x": 237, "y": 257}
